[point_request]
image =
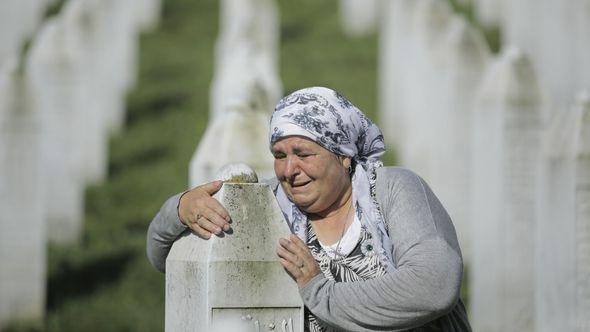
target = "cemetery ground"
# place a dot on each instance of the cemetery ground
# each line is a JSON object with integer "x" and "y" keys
{"x": 106, "y": 283}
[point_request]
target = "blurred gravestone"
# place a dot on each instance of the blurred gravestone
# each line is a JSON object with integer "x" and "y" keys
{"x": 431, "y": 22}
{"x": 22, "y": 223}
{"x": 359, "y": 18}
{"x": 56, "y": 79}
{"x": 396, "y": 45}
{"x": 239, "y": 135}
{"x": 234, "y": 282}
{"x": 465, "y": 56}
{"x": 506, "y": 134}
{"x": 120, "y": 36}
{"x": 85, "y": 34}
{"x": 246, "y": 52}
{"x": 563, "y": 232}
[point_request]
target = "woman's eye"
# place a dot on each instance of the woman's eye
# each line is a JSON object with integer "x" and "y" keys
{"x": 279, "y": 155}
{"x": 304, "y": 155}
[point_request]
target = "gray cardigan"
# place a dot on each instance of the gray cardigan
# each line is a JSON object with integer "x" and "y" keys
{"x": 422, "y": 295}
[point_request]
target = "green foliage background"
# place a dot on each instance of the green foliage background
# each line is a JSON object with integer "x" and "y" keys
{"x": 106, "y": 283}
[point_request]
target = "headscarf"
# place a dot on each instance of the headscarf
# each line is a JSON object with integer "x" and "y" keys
{"x": 330, "y": 120}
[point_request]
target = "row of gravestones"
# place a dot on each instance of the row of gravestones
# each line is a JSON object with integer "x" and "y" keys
{"x": 505, "y": 143}
{"x": 59, "y": 100}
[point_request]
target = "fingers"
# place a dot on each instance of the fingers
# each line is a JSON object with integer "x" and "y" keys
{"x": 293, "y": 271}
{"x": 297, "y": 260}
{"x": 203, "y": 213}
{"x": 212, "y": 187}
{"x": 217, "y": 214}
{"x": 201, "y": 232}
{"x": 288, "y": 256}
{"x": 296, "y": 246}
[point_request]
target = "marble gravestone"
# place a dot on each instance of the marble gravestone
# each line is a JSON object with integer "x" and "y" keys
{"x": 246, "y": 53}
{"x": 465, "y": 56}
{"x": 22, "y": 222}
{"x": 234, "y": 282}
{"x": 120, "y": 37}
{"x": 431, "y": 22}
{"x": 55, "y": 69}
{"x": 85, "y": 33}
{"x": 238, "y": 135}
{"x": 505, "y": 157}
{"x": 563, "y": 233}
{"x": 396, "y": 45}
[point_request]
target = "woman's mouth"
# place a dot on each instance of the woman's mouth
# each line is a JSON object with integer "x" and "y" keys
{"x": 300, "y": 185}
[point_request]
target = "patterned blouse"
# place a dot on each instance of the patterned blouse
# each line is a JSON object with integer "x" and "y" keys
{"x": 361, "y": 263}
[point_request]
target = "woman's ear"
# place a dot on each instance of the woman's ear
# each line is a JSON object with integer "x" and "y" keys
{"x": 347, "y": 162}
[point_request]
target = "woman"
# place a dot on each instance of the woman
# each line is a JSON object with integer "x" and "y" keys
{"x": 372, "y": 248}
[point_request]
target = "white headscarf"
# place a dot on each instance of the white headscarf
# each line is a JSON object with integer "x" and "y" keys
{"x": 330, "y": 120}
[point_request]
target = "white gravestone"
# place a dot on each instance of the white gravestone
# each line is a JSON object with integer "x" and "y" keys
{"x": 22, "y": 223}
{"x": 465, "y": 57}
{"x": 254, "y": 20}
{"x": 431, "y": 22}
{"x": 396, "y": 44}
{"x": 55, "y": 69}
{"x": 359, "y": 18}
{"x": 85, "y": 32}
{"x": 245, "y": 68}
{"x": 506, "y": 135}
{"x": 563, "y": 232}
{"x": 234, "y": 282}
{"x": 120, "y": 35}
{"x": 239, "y": 135}
{"x": 246, "y": 53}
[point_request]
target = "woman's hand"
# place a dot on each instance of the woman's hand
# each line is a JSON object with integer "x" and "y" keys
{"x": 202, "y": 213}
{"x": 297, "y": 260}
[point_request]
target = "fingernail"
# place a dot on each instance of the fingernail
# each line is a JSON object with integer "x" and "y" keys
{"x": 226, "y": 227}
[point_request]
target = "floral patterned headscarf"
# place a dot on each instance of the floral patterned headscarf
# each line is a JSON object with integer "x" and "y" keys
{"x": 330, "y": 120}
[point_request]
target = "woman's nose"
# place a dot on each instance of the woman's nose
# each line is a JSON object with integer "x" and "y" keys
{"x": 292, "y": 167}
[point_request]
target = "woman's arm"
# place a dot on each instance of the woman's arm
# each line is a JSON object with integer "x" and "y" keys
{"x": 426, "y": 283}
{"x": 163, "y": 230}
{"x": 195, "y": 209}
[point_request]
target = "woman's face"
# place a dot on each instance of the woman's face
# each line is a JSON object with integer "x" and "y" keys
{"x": 312, "y": 177}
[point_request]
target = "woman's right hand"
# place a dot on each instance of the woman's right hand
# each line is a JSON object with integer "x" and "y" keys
{"x": 202, "y": 213}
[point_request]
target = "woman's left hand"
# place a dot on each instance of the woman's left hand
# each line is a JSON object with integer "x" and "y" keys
{"x": 297, "y": 260}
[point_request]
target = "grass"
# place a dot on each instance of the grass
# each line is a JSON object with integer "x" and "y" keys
{"x": 106, "y": 283}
